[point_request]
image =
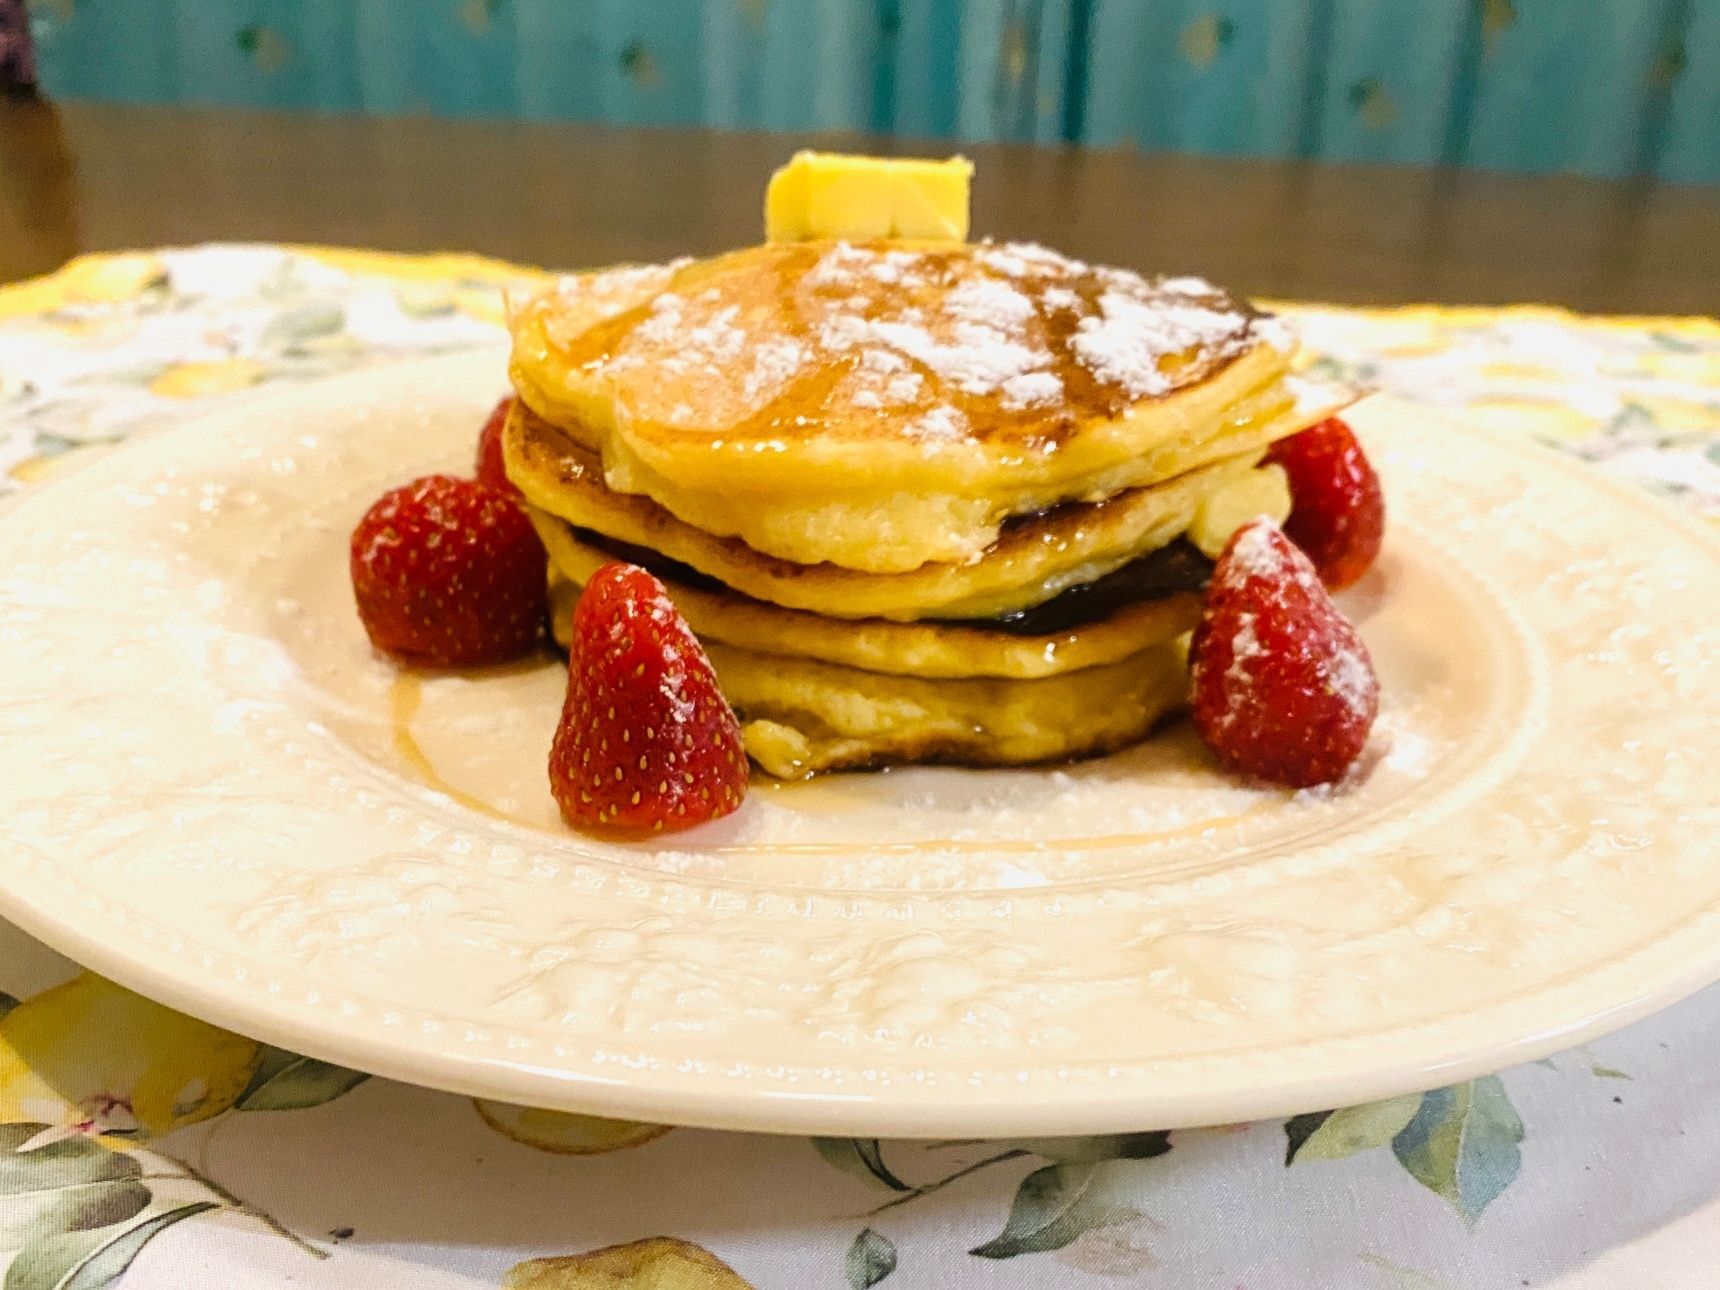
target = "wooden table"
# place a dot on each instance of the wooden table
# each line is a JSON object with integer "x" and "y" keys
{"x": 85, "y": 177}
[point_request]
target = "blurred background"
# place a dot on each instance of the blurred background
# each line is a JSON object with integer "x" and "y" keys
{"x": 1595, "y": 87}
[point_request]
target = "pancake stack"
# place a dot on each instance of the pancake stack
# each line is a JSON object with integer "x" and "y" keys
{"x": 920, "y": 501}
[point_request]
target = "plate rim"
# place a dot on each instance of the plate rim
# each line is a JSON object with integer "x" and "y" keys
{"x": 726, "y": 1106}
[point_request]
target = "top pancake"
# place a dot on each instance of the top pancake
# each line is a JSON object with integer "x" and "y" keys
{"x": 797, "y": 395}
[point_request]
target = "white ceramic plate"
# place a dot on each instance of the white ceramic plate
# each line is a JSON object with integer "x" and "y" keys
{"x": 215, "y": 793}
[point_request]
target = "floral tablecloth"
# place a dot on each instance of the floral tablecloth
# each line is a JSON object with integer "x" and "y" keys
{"x": 143, "y": 1148}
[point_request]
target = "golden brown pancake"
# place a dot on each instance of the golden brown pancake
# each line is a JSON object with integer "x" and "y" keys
{"x": 924, "y": 649}
{"x": 1034, "y": 559}
{"x": 800, "y": 716}
{"x": 885, "y": 405}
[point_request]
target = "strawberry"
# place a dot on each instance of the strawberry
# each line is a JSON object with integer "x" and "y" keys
{"x": 490, "y": 467}
{"x": 1337, "y": 513}
{"x": 646, "y": 741}
{"x": 449, "y": 572}
{"x": 1283, "y": 687}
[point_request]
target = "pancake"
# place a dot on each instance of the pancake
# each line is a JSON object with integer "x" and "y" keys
{"x": 923, "y": 649}
{"x": 880, "y": 406}
{"x": 1034, "y": 559}
{"x": 799, "y": 716}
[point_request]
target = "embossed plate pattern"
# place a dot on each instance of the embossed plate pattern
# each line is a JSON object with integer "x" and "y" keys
{"x": 212, "y": 791}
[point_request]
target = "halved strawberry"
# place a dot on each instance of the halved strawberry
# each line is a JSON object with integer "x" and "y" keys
{"x": 1337, "y": 511}
{"x": 1283, "y": 686}
{"x": 646, "y": 741}
{"x": 449, "y": 572}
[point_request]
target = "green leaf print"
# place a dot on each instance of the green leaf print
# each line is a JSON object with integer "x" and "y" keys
{"x": 1298, "y": 1129}
{"x": 7, "y": 1003}
{"x": 1462, "y": 1144}
{"x": 861, "y": 1157}
{"x": 90, "y": 1260}
{"x": 423, "y": 300}
{"x": 63, "y": 1186}
{"x": 284, "y": 1081}
{"x": 1671, "y": 343}
{"x": 869, "y": 1260}
{"x": 1105, "y": 1146}
{"x": 1334, "y": 1135}
{"x": 1059, "y": 1203}
{"x": 291, "y": 330}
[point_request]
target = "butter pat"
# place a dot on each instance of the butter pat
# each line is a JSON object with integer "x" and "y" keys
{"x": 826, "y": 194}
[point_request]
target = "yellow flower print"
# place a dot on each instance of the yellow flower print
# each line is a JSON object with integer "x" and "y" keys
{"x": 111, "y": 279}
{"x": 1509, "y": 372}
{"x": 481, "y": 302}
{"x": 563, "y": 1132}
{"x": 1681, "y": 416}
{"x": 200, "y": 379}
{"x": 89, "y": 1057}
{"x": 1541, "y": 418}
{"x": 661, "y": 1263}
{"x": 37, "y": 470}
{"x": 1698, "y": 367}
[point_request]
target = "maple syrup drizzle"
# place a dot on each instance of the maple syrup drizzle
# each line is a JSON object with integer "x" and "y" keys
{"x": 784, "y": 298}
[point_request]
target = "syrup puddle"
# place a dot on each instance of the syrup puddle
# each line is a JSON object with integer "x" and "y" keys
{"x": 405, "y": 698}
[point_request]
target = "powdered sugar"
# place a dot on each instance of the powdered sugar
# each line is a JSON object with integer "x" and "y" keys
{"x": 916, "y": 330}
{"x": 1187, "y": 286}
{"x": 893, "y": 267}
{"x": 1244, "y": 645}
{"x": 620, "y": 281}
{"x": 990, "y": 302}
{"x": 1135, "y": 331}
{"x": 1277, "y": 332}
{"x": 1260, "y": 550}
{"x": 695, "y": 340}
{"x": 845, "y": 266}
{"x": 1350, "y": 677}
{"x": 882, "y": 362}
{"x": 838, "y": 267}
{"x": 1028, "y": 259}
{"x": 976, "y": 358}
{"x": 1032, "y": 389}
{"x": 775, "y": 362}
{"x": 1314, "y": 399}
{"x": 904, "y": 388}
{"x": 943, "y": 424}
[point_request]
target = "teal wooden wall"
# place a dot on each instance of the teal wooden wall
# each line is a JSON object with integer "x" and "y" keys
{"x": 1609, "y": 87}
